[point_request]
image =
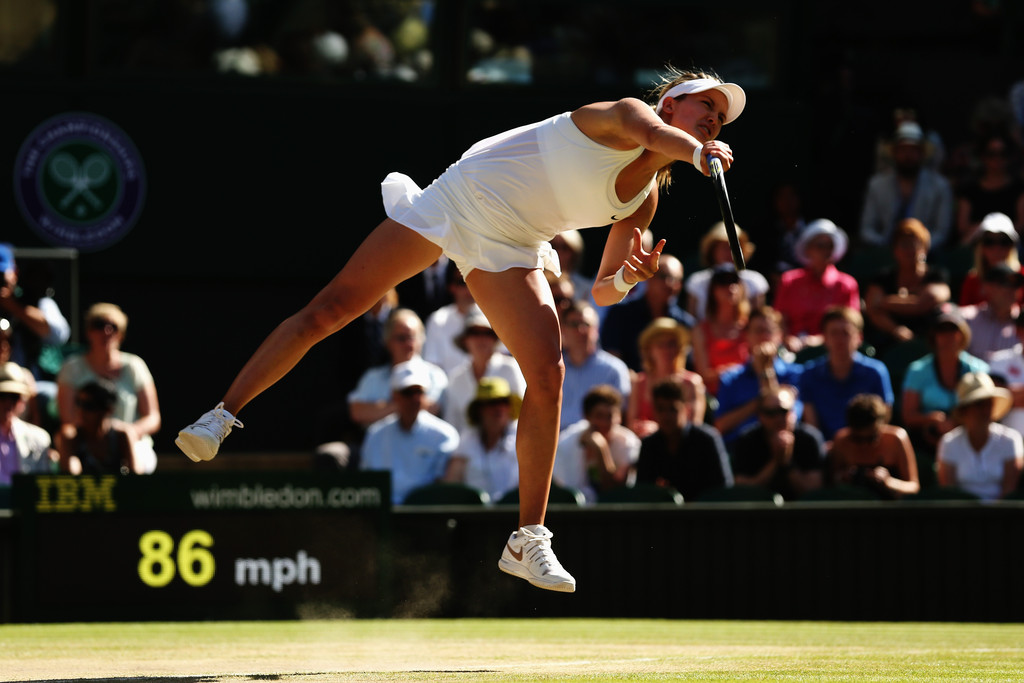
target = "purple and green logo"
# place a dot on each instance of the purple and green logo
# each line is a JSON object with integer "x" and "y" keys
{"x": 79, "y": 181}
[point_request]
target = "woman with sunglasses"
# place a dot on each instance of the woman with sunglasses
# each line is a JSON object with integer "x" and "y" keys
{"x": 995, "y": 187}
{"x": 137, "y": 407}
{"x": 995, "y": 242}
{"x": 871, "y": 453}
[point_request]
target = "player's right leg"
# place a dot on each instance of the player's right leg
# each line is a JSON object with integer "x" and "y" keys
{"x": 390, "y": 254}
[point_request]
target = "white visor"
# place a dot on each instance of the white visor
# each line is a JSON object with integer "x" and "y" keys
{"x": 734, "y": 95}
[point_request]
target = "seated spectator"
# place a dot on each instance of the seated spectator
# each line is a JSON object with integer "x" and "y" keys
{"x": 741, "y": 386}
{"x": 447, "y": 322}
{"x": 805, "y": 293}
{"x": 480, "y": 342}
{"x": 718, "y": 340}
{"x": 100, "y": 445}
{"x": 778, "y": 453}
{"x": 371, "y": 400}
{"x": 688, "y": 457}
{"x": 410, "y": 443}
{"x": 587, "y": 365}
{"x": 24, "y": 447}
{"x": 663, "y": 347}
{"x": 716, "y": 251}
{"x": 1006, "y": 368}
{"x": 929, "y": 386}
{"x": 137, "y": 406}
{"x": 31, "y": 412}
{"x": 597, "y": 453}
{"x": 486, "y": 455}
{"x": 624, "y": 321}
{"x": 995, "y": 242}
{"x": 872, "y": 453}
{"x": 991, "y": 321}
{"x": 828, "y": 383}
{"x": 426, "y": 291}
{"x": 910, "y": 189}
{"x": 562, "y": 291}
{"x": 900, "y": 302}
{"x": 776, "y": 237}
{"x": 995, "y": 187}
{"x": 981, "y": 456}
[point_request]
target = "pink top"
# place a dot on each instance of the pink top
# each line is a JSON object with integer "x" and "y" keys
{"x": 802, "y": 298}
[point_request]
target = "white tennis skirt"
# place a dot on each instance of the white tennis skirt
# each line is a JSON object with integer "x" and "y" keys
{"x": 469, "y": 233}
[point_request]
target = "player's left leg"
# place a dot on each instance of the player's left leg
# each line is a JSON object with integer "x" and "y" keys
{"x": 519, "y": 306}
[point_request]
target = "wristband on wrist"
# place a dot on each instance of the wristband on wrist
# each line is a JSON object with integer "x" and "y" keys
{"x": 620, "y": 280}
{"x": 696, "y": 157}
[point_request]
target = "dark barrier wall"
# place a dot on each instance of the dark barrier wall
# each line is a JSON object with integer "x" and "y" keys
{"x": 878, "y": 561}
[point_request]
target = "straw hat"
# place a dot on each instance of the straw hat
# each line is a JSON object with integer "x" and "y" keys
{"x": 12, "y": 379}
{"x": 475, "y": 320}
{"x": 977, "y": 386}
{"x": 718, "y": 233}
{"x": 492, "y": 389}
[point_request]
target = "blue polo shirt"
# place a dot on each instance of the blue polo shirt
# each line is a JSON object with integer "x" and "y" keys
{"x": 739, "y": 384}
{"x": 829, "y": 396}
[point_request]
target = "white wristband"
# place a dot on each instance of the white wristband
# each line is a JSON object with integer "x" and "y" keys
{"x": 620, "y": 281}
{"x": 696, "y": 157}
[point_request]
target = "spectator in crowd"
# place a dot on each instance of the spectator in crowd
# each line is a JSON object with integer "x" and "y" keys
{"x": 24, "y": 447}
{"x": 597, "y": 453}
{"x": 719, "y": 342}
{"x": 31, "y": 410}
{"x": 992, "y": 320}
{"x": 371, "y": 400}
{"x": 137, "y": 406}
{"x": 586, "y": 364}
{"x": 447, "y": 322}
{"x": 715, "y": 251}
{"x": 980, "y": 455}
{"x": 996, "y": 187}
{"x": 486, "y": 455}
{"x": 563, "y": 292}
{"x": 779, "y": 453}
{"x": 663, "y": 347}
{"x": 426, "y": 291}
{"x": 995, "y": 243}
{"x": 36, "y": 321}
{"x": 480, "y": 342}
{"x": 829, "y": 383}
{"x": 805, "y": 293}
{"x": 688, "y": 457}
{"x": 624, "y": 321}
{"x": 900, "y": 302}
{"x": 929, "y": 386}
{"x": 1006, "y": 368}
{"x": 776, "y": 240}
{"x": 910, "y": 189}
{"x": 411, "y": 443}
{"x": 872, "y": 453}
{"x": 569, "y": 247}
{"x": 740, "y": 387}
{"x": 100, "y": 444}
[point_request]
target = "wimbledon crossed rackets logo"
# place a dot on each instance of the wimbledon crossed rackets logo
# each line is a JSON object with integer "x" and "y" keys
{"x": 79, "y": 181}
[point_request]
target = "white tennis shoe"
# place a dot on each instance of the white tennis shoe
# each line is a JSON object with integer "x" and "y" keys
{"x": 529, "y": 556}
{"x": 201, "y": 439}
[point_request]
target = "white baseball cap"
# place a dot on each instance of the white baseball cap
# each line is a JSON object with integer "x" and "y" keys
{"x": 410, "y": 373}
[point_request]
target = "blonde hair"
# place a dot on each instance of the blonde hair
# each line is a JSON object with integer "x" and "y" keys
{"x": 107, "y": 311}
{"x": 663, "y": 327}
{"x": 671, "y": 78}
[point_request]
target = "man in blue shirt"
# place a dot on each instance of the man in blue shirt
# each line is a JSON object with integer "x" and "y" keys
{"x": 739, "y": 388}
{"x": 828, "y": 383}
{"x": 587, "y": 365}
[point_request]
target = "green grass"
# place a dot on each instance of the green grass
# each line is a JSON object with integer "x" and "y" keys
{"x": 512, "y": 650}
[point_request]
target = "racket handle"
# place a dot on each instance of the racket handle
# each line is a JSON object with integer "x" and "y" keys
{"x": 715, "y": 165}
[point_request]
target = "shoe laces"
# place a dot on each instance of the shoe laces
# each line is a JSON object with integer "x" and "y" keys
{"x": 220, "y": 420}
{"x": 537, "y": 549}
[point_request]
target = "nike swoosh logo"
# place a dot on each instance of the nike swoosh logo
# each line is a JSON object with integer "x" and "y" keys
{"x": 518, "y": 556}
{"x": 615, "y": 218}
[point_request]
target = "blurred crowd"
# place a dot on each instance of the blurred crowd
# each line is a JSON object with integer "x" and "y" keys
{"x": 880, "y": 360}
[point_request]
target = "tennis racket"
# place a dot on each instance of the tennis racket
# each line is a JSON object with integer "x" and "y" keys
{"x": 718, "y": 177}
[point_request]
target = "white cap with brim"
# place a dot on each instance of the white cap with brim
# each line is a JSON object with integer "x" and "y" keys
{"x": 12, "y": 379}
{"x": 734, "y": 95}
{"x": 410, "y": 373}
{"x": 822, "y": 226}
{"x": 998, "y": 223}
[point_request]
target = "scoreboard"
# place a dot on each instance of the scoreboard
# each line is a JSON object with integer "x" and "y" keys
{"x": 202, "y": 546}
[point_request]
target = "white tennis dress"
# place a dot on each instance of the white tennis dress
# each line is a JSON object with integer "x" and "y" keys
{"x": 499, "y": 205}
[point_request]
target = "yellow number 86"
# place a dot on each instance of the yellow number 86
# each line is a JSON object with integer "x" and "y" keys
{"x": 194, "y": 562}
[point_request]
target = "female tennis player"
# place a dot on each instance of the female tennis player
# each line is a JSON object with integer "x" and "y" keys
{"x": 493, "y": 213}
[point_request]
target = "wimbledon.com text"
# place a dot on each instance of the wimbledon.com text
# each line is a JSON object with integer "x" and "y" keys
{"x": 259, "y": 497}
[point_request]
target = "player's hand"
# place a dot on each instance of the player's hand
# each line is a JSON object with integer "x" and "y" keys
{"x": 720, "y": 151}
{"x": 642, "y": 265}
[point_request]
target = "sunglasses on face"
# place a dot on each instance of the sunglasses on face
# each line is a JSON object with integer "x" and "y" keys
{"x": 774, "y": 411}
{"x": 101, "y": 325}
{"x": 996, "y": 242}
{"x": 10, "y": 397}
{"x": 410, "y": 392}
{"x": 91, "y": 406}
